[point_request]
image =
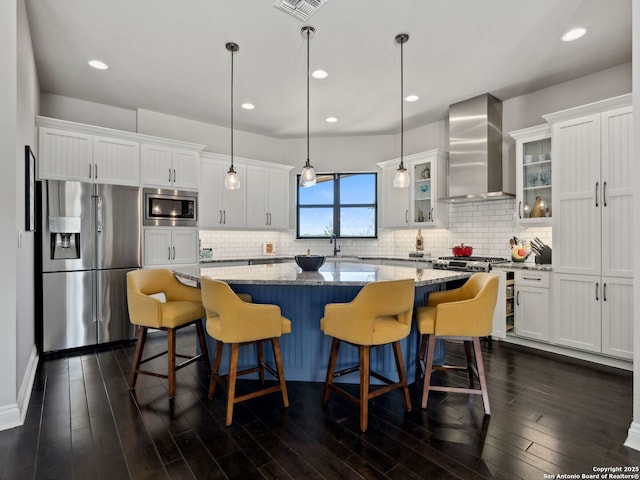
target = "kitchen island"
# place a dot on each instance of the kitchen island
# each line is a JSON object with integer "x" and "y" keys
{"x": 302, "y": 297}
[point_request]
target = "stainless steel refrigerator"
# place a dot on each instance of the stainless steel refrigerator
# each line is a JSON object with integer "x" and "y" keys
{"x": 89, "y": 239}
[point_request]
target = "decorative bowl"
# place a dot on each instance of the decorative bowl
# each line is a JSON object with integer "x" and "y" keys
{"x": 310, "y": 263}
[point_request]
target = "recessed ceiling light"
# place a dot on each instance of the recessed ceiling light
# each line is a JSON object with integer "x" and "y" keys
{"x": 248, "y": 106}
{"x": 98, "y": 64}
{"x": 574, "y": 34}
{"x": 411, "y": 98}
{"x": 319, "y": 74}
{"x": 331, "y": 120}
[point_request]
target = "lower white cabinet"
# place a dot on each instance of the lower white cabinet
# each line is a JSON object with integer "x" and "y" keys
{"x": 532, "y": 306}
{"x": 170, "y": 246}
{"x": 594, "y": 313}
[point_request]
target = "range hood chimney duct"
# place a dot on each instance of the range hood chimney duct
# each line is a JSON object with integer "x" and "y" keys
{"x": 475, "y": 150}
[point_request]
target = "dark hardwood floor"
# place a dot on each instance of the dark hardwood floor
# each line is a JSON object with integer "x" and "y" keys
{"x": 549, "y": 415}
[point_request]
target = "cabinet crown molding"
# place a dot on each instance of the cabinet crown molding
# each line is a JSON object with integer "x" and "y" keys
{"x": 590, "y": 108}
{"x": 111, "y": 132}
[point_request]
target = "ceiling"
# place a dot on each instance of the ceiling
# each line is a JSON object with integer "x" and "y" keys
{"x": 169, "y": 56}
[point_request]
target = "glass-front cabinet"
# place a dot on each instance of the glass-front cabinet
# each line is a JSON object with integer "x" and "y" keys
{"x": 533, "y": 175}
{"x": 428, "y": 183}
{"x": 416, "y": 206}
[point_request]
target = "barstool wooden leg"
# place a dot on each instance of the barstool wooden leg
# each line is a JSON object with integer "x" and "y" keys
{"x": 171, "y": 349}
{"x": 467, "y": 351}
{"x": 203, "y": 347}
{"x": 137, "y": 358}
{"x": 365, "y": 365}
{"x": 260, "y": 349}
{"x": 277, "y": 354}
{"x": 231, "y": 385}
{"x": 333, "y": 356}
{"x": 421, "y": 357}
{"x": 481, "y": 375}
{"x": 402, "y": 374}
{"x": 427, "y": 370}
{"x": 215, "y": 374}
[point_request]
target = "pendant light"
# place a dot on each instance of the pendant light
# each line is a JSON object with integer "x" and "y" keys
{"x": 308, "y": 176}
{"x": 401, "y": 179}
{"x": 231, "y": 181}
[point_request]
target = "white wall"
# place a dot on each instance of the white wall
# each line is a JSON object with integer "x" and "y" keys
{"x": 28, "y": 95}
{"x": 633, "y": 438}
{"x": 9, "y": 153}
{"x": 81, "y": 111}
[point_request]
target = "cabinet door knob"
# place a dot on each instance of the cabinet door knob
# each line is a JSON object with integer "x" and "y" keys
{"x": 520, "y": 209}
{"x": 597, "y": 184}
{"x": 518, "y": 298}
{"x": 604, "y": 291}
{"x": 169, "y": 175}
{"x": 169, "y": 256}
{"x": 597, "y": 291}
{"x": 174, "y": 175}
{"x": 174, "y": 253}
{"x": 604, "y": 194}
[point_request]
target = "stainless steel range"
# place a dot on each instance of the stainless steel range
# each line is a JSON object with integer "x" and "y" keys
{"x": 467, "y": 264}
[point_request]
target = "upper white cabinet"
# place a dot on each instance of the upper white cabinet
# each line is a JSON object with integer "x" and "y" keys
{"x": 219, "y": 207}
{"x": 418, "y": 205}
{"x": 164, "y": 165}
{"x": 86, "y": 153}
{"x": 267, "y": 196}
{"x": 67, "y": 153}
{"x": 533, "y": 176}
{"x": 394, "y": 202}
{"x": 592, "y": 155}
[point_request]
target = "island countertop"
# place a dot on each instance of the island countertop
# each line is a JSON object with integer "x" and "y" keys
{"x": 331, "y": 273}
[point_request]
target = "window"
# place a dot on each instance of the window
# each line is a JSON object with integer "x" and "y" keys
{"x": 344, "y": 204}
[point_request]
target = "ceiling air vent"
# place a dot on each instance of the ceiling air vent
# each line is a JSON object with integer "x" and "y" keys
{"x": 301, "y": 9}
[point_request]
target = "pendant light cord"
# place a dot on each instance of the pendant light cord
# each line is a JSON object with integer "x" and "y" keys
{"x": 232, "y": 51}
{"x": 308, "y": 36}
{"x": 401, "y": 104}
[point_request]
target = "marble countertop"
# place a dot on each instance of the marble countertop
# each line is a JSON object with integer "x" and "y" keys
{"x": 280, "y": 258}
{"x": 523, "y": 266}
{"x": 331, "y": 273}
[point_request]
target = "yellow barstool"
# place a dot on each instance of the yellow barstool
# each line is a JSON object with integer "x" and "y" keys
{"x": 157, "y": 299}
{"x": 380, "y": 314}
{"x": 463, "y": 314}
{"x": 233, "y": 320}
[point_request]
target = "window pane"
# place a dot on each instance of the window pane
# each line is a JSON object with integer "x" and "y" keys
{"x": 315, "y": 222}
{"x": 319, "y": 194}
{"x": 357, "y": 222}
{"x": 357, "y": 188}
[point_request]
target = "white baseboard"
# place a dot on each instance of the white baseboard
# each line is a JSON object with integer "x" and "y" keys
{"x": 633, "y": 436}
{"x": 13, "y": 415}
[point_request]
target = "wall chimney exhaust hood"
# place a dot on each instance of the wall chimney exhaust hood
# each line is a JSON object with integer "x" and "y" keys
{"x": 475, "y": 151}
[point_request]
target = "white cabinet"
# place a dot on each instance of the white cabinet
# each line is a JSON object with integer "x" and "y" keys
{"x": 592, "y": 155}
{"x": 418, "y": 205}
{"x": 116, "y": 161}
{"x": 394, "y": 202}
{"x": 170, "y": 246}
{"x": 219, "y": 207}
{"x": 164, "y": 165}
{"x": 428, "y": 172}
{"x": 75, "y": 155}
{"x": 533, "y": 176}
{"x": 267, "y": 196}
{"x": 532, "y": 306}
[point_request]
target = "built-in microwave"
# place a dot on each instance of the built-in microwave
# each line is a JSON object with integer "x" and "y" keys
{"x": 173, "y": 208}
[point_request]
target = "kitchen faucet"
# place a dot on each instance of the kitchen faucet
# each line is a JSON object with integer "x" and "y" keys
{"x": 336, "y": 248}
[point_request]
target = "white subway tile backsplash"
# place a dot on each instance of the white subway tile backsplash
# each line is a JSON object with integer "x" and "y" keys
{"x": 487, "y": 226}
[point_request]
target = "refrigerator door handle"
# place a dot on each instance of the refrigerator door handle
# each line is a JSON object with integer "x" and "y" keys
{"x": 99, "y": 214}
